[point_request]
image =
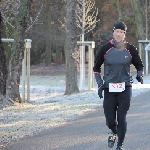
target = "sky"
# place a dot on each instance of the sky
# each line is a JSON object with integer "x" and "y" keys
{"x": 48, "y": 107}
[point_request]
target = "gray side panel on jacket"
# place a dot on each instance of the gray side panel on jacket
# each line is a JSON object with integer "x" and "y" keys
{"x": 117, "y": 66}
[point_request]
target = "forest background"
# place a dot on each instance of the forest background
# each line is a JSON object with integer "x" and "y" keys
{"x": 48, "y": 31}
{"x": 51, "y": 25}
{"x": 46, "y": 23}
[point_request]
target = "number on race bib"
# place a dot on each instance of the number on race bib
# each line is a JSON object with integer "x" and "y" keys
{"x": 119, "y": 85}
{"x": 116, "y": 87}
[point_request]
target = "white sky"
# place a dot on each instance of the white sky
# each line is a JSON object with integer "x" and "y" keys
{"x": 49, "y": 107}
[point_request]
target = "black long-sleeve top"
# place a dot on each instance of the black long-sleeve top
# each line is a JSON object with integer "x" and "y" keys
{"x": 117, "y": 62}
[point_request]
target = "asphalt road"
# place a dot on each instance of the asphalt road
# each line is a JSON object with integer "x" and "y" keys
{"x": 90, "y": 132}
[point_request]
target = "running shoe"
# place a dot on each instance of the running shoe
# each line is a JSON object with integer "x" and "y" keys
{"x": 111, "y": 140}
{"x": 120, "y": 147}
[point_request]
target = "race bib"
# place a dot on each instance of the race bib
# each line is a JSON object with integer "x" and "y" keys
{"x": 116, "y": 87}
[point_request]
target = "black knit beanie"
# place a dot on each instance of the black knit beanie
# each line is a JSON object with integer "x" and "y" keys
{"x": 120, "y": 25}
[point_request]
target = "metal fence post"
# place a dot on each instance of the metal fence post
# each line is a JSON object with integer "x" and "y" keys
{"x": 91, "y": 46}
{"x": 7, "y": 40}
{"x": 23, "y": 75}
{"x": 27, "y": 51}
{"x": 147, "y": 48}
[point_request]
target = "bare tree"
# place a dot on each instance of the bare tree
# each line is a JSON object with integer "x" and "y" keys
{"x": 15, "y": 63}
{"x": 139, "y": 18}
{"x": 54, "y": 44}
{"x": 70, "y": 47}
{"x": 3, "y": 67}
{"x": 3, "y": 70}
{"x": 48, "y": 51}
{"x": 86, "y": 17}
{"x": 147, "y": 18}
{"x": 15, "y": 14}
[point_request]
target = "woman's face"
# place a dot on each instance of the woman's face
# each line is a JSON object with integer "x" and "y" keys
{"x": 119, "y": 35}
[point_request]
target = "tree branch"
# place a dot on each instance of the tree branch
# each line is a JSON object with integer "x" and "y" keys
{"x": 36, "y": 19}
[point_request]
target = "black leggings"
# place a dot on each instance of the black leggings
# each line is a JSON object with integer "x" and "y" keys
{"x": 116, "y": 105}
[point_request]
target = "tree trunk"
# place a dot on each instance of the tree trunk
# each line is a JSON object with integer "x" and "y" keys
{"x": 3, "y": 68}
{"x": 136, "y": 6}
{"x": 48, "y": 51}
{"x": 15, "y": 63}
{"x": 70, "y": 47}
